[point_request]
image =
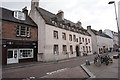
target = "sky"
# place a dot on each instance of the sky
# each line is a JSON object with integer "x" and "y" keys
{"x": 97, "y": 13}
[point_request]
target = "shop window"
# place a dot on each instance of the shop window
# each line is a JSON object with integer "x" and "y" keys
{"x": 55, "y": 49}
{"x": 26, "y": 53}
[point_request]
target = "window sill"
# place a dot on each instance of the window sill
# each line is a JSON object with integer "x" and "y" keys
{"x": 24, "y": 36}
{"x": 26, "y": 58}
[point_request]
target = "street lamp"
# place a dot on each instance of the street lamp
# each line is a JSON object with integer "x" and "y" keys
{"x": 113, "y": 2}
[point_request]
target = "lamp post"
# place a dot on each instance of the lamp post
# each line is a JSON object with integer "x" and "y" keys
{"x": 113, "y": 2}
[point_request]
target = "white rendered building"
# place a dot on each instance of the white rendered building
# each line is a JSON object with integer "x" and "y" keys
{"x": 59, "y": 38}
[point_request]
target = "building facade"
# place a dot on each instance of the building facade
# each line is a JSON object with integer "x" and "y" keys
{"x": 114, "y": 36}
{"x": 101, "y": 43}
{"x": 59, "y": 38}
{"x": 19, "y": 37}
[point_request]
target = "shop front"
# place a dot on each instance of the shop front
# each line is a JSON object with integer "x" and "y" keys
{"x": 19, "y": 51}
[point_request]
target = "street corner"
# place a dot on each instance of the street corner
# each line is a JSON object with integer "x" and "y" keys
{"x": 76, "y": 72}
{"x": 103, "y": 71}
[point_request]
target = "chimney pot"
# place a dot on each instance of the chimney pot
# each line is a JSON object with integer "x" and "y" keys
{"x": 25, "y": 10}
{"x": 89, "y": 27}
{"x": 100, "y": 31}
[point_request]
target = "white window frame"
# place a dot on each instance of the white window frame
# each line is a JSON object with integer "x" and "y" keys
{"x": 25, "y": 57}
{"x": 21, "y": 32}
{"x": 19, "y": 15}
{"x": 27, "y": 31}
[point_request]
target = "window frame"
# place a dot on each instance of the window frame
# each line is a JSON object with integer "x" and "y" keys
{"x": 86, "y": 40}
{"x": 54, "y": 34}
{"x": 28, "y": 31}
{"x": 57, "y": 49}
{"x": 63, "y": 36}
{"x": 64, "y": 46}
{"x": 83, "y": 39}
{"x": 26, "y": 57}
{"x": 74, "y": 38}
{"x": 18, "y": 30}
{"x": 80, "y": 40}
{"x": 71, "y": 51}
{"x": 70, "y": 37}
{"x": 21, "y": 34}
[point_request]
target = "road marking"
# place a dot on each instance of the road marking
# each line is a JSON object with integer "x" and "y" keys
{"x": 60, "y": 70}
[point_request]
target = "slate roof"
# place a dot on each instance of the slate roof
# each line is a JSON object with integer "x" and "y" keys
{"x": 100, "y": 34}
{"x": 8, "y": 15}
{"x": 48, "y": 17}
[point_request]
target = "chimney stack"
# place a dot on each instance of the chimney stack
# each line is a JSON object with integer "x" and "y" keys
{"x": 24, "y": 10}
{"x": 61, "y": 14}
{"x": 100, "y": 31}
{"x": 89, "y": 27}
{"x": 79, "y": 24}
{"x": 34, "y": 3}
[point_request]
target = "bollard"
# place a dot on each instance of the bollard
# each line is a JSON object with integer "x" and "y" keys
{"x": 87, "y": 62}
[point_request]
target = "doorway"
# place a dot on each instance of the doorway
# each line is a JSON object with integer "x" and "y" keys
{"x": 77, "y": 50}
{"x": 12, "y": 56}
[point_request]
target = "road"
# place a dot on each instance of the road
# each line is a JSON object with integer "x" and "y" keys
{"x": 41, "y": 69}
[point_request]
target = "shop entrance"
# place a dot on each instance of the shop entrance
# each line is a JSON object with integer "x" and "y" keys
{"x": 12, "y": 56}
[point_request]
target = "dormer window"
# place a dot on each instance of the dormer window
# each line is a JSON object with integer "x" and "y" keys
{"x": 60, "y": 24}
{"x": 77, "y": 30}
{"x": 54, "y": 23}
{"x": 19, "y": 15}
{"x": 63, "y": 26}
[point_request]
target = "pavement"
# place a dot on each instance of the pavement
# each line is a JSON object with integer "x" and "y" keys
{"x": 89, "y": 71}
{"x": 103, "y": 71}
{"x": 28, "y": 64}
